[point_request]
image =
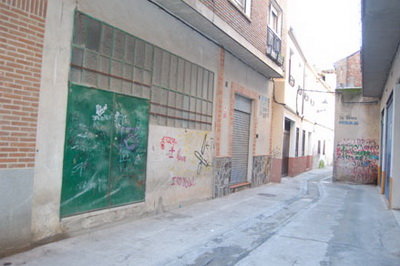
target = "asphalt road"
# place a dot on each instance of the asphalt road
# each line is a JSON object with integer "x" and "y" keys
{"x": 306, "y": 220}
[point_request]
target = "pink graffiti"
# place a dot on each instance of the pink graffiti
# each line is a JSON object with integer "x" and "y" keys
{"x": 171, "y": 141}
{"x": 167, "y": 140}
{"x": 180, "y": 157}
{"x": 183, "y": 181}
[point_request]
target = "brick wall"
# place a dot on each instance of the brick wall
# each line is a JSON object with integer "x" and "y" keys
{"x": 254, "y": 29}
{"x": 354, "y": 70}
{"x": 21, "y": 44}
{"x": 348, "y": 71}
{"x": 298, "y": 165}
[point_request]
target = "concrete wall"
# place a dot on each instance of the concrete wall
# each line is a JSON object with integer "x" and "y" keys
{"x": 392, "y": 88}
{"x": 15, "y": 208}
{"x": 356, "y": 138}
{"x": 173, "y": 179}
{"x": 181, "y": 172}
{"x": 145, "y": 21}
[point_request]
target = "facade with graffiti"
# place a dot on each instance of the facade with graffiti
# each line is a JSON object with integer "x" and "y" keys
{"x": 144, "y": 107}
{"x": 356, "y": 137}
{"x": 303, "y": 108}
{"x": 356, "y": 157}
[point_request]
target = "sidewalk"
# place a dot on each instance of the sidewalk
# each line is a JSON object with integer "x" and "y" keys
{"x": 297, "y": 221}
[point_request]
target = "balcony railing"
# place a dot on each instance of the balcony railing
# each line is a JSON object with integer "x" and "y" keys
{"x": 274, "y": 44}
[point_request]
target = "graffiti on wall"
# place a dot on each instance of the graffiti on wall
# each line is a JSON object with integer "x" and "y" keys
{"x": 183, "y": 181}
{"x": 202, "y": 154}
{"x": 181, "y": 147}
{"x": 168, "y": 144}
{"x": 358, "y": 158}
{"x": 348, "y": 120}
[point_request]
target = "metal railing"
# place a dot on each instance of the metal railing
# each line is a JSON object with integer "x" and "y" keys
{"x": 274, "y": 45}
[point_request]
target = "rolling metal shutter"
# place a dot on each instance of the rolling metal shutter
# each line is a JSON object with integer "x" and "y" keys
{"x": 241, "y": 134}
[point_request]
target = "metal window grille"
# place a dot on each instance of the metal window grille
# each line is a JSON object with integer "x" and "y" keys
{"x": 180, "y": 92}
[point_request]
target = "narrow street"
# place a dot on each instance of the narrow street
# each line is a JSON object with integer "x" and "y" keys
{"x": 305, "y": 220}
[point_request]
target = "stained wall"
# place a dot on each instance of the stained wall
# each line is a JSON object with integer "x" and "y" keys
{"x": 356, "y": 148}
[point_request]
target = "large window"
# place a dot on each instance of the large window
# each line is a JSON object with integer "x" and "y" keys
{"x": 105, "y": 57}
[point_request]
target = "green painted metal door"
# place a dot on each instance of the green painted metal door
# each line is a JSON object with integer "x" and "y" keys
{"x": 105, "y": 150}
{"x": 128, "y": 155}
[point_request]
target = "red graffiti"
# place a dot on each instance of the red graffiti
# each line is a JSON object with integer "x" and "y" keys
{"x": 183, "y": 181}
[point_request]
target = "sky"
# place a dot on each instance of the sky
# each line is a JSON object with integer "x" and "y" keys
{"x": 326, "y": 30}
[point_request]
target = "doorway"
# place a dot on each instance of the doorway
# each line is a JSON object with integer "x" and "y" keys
{"x": 285, "y": 147}
{"x": 241, "y": 139}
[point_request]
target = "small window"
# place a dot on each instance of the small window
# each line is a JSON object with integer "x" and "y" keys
{"x": 319, "y": 147}
{"x": 287, "y": 124}
{"x": 275, "y": 20}
{"x": 291, "y": 78}
{"x": 243, "y": 5}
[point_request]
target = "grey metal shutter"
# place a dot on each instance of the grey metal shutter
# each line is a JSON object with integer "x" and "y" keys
{"x": 241, "y": 134}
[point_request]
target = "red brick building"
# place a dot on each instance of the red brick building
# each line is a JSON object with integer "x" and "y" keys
{"x": 22, "y": 29}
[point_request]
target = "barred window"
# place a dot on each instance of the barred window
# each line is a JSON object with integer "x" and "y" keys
{"x": 180, "y": 92}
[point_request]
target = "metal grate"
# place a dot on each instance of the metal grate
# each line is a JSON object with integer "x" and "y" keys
{"x": 241, "y": 135}
{"x": 181, "y": 92}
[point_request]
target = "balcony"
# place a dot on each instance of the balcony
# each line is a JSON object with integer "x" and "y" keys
{"x": 274, "y": 45}
{"x": 206, "y": 22}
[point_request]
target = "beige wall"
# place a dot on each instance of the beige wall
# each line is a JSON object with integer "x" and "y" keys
{"x": 356, "y": 138}
{"x": 392, "y": 87}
